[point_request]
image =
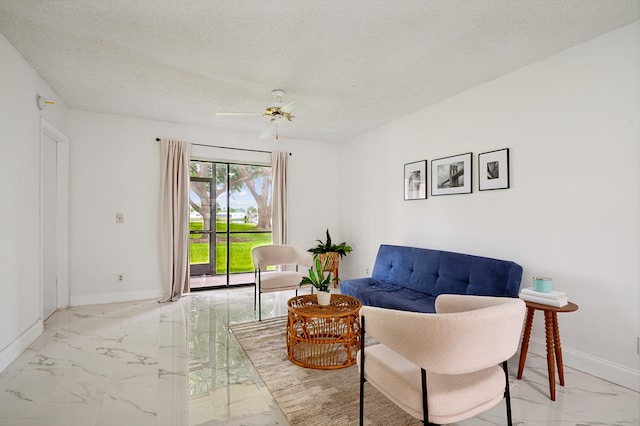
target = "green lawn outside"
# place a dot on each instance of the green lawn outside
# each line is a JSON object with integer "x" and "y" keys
{"x": 241, "y": 245}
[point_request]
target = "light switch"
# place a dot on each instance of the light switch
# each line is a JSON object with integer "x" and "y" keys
{"x": 119, "y": 217}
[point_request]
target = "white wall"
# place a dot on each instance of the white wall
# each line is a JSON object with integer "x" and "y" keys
{"x": 20, "y": 306}
{"x": 572, "y": 213}
{"x": 571, "y": 122}
{"x": 115, "y": 168}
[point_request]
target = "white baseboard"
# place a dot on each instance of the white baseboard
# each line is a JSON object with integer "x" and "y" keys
{"x": 598, "y": 367}
{"x": 15, "y": 348}
{"x": 122, "y": 296}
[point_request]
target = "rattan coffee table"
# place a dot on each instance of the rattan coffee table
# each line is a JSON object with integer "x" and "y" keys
{"x": 323, "y": 337}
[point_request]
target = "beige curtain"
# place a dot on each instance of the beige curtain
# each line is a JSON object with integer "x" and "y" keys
{"x": 174, "y": 219}
{"x": 279, "y": 197}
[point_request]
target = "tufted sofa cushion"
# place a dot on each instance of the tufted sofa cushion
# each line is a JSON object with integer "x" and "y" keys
{"x": 410, "y": 278}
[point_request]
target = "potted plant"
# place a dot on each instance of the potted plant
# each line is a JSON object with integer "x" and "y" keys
{"x": 332, "y": 252}
{"x": 319, "y": 280}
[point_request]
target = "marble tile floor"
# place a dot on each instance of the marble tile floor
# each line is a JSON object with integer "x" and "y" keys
{"x": 144, "y": 363}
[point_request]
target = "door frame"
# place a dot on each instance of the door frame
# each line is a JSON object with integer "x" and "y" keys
{"x": 62, "y": 216}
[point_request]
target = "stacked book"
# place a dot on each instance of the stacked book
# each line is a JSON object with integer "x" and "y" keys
{"x": 554, "y": 298}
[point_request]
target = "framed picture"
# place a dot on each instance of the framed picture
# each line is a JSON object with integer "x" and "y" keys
{"x": 451, "y": 175}
{"x": 415, "y": 180}
{"x": 493, "y": 170}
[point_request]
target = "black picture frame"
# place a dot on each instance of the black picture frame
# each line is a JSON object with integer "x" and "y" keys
{"x": 452, "y": 175}
{"x": 493, "y": 170}
{"x": 415, "y": 180}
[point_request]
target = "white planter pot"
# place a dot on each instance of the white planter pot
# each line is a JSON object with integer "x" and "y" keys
{"x": 324, "y": 298}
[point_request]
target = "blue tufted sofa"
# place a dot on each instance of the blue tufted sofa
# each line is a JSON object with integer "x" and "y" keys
{"x": 410, "y": 278}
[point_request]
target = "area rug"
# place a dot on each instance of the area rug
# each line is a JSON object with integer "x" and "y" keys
{"x": 307, "y": 396}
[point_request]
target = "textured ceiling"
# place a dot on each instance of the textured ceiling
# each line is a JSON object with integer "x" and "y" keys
{"x": 355, "y": 65}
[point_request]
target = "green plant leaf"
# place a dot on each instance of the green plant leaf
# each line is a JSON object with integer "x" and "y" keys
{"x": 317, "y": 276}
{"x": 328, "y": 247}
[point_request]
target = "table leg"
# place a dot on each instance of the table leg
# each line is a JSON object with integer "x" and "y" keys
{"x": 548, "y": 325}
{"x": 525, "y": 341}
{"x": 558, "y": 347}
{"x": 290, "y": 340}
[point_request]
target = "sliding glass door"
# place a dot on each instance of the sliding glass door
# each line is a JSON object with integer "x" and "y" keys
{"x": 230, "y": 213}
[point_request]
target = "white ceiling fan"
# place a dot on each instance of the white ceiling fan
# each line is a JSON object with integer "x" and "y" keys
{"x": 278, "y": 113}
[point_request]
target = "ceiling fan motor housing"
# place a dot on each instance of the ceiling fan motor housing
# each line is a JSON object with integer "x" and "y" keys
{"x": 274, "y": 111}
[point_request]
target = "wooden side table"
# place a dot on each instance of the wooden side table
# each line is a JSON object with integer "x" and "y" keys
{"x": 323, "y": 337}
{"x": 552, "y": 334}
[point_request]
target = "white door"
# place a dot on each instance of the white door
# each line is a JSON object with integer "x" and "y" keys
{"x": 54, "y": 219}
{"x": 49, "y": 231}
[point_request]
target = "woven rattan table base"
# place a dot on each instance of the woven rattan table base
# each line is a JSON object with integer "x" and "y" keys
{"x": 323, "y": 337}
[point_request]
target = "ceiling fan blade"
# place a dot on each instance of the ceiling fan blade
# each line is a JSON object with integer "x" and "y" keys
{"x": 292, "y": 106}
{"x": 270, "y": 130}
{"x": 252, "y": 114}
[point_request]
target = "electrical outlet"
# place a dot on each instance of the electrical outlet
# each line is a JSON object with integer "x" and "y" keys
{"x": 366, "y": 271}
{"x": 120, "y": 277}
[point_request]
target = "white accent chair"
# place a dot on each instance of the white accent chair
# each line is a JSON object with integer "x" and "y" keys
{"x": 279, "y": 256}
{"x": 444, "y": 367}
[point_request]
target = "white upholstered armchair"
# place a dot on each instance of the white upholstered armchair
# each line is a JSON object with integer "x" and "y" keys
{"x": 282, "y": 256}
{"x": 444, "y": 367}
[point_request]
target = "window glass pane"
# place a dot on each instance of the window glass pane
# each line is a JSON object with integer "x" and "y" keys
{"x": 199, "y": 249}
{"x": 221, "y": 253}
{"x": 221, "y": 197}
{"x": 241, "y": 245}
{"x": 246, "y": 199}
{"x": 202, "y": 169}
{"x": 199, "y": 206}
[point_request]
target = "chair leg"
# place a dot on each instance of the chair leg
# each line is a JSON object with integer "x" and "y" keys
{"x": 507, "y": 393}
{"x": 425, "y": 405}
{"x": 256, "y": 284}
{"x": 362, "y": 371}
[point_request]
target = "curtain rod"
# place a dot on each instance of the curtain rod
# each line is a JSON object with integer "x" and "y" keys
{"x": 228, "y": 147}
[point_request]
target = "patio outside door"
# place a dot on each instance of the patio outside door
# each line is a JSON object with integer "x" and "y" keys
{"x": 201, "y": 244}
